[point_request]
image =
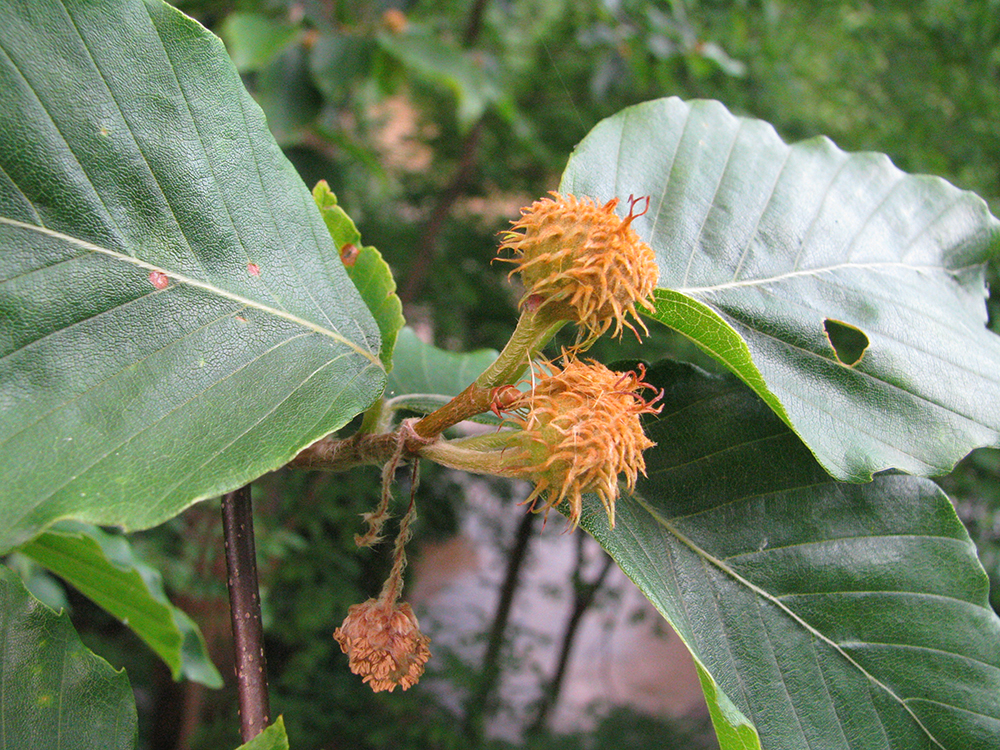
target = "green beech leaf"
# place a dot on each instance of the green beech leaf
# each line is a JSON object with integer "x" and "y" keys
{"x": 830, "y": 615}
{"x": 425, "y": 377}
{"x": 366, "y": 268}
{"x": 733, "y": 730}
{"x": 105, "y": 569}
{"x": 54, "y": 692}
{"x": 428, "y": 56}
{"x": 176, "y": 319}
{"x": 272, "y": 738}
{"x": 770, "y": 241}
{"x": 254, "y": 40}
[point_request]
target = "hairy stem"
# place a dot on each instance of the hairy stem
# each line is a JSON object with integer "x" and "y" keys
{"x": 244, "y": 608}
{"x": 534, "y": 330}
{"x": 341, "y": 454}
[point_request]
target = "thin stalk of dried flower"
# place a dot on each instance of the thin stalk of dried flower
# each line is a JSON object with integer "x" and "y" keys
{"x": 382, "y": 637}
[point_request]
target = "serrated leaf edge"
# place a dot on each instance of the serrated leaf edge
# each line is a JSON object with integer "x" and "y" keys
{"x": 677, "y": 534}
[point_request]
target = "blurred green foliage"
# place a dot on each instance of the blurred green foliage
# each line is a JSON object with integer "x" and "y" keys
{"x": 434, "y": 121}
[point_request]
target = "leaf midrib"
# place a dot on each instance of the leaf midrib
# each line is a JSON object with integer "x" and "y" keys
{"x": 204, "y": 286}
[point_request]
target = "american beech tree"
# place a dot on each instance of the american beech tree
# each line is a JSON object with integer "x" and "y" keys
{"x": 181, "y": 315}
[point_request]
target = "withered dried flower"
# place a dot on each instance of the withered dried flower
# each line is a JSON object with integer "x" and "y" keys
{"x": 384, "y": 645}
{"x": 581, "y": 262}
{"x": 581, "y": 428}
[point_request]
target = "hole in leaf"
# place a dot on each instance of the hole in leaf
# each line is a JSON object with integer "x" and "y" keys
{"x": 849, "y": 343}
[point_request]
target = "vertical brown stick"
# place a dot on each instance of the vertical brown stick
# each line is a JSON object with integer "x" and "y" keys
{"x": 477, "y": 706}
{"x": 421, "y": 263}
{"x": 244, "y": 608}
{"x": 584, "y": 593}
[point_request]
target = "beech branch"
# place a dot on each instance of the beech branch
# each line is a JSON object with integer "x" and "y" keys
{"x": 244, "y": 609}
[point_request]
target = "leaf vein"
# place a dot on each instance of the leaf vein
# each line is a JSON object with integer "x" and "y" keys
{"x": 27, "y": 200}
{"x": 42, "y": 500}
{"x": 204, "y": 286}
{"x": 115, "y": 374}
{"x": 761, "y": 593}
{"x": 711, "y": 203}
{"x": 159, "y": 501}
{"x": 844, "y": 160}
{"x": 760, "y": 214}
{"x": 106, "y": 218}
{"x": 165, "y": 49}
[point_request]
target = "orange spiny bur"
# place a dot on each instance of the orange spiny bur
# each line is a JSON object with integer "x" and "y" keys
{"x": 581, "y": 428}
{"x": 583, "y": 263}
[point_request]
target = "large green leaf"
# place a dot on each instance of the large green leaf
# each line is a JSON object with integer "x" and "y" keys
{"x": 830, "y": 615}
{"x": 176, "y": 320}
{"x": 54, "y": 692}
{"x": 105, "y": 569}
{"x": 775, "y": 246}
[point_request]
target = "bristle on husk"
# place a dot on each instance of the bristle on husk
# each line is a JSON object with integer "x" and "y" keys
{"x": 582, "y": 262}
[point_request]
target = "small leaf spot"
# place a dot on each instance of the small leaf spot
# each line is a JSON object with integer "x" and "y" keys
{"x": 349, "y": 253}
{"x": 254, "y": 269}
{"x": 849, "y": 343}
{"x": 159, "y": 280}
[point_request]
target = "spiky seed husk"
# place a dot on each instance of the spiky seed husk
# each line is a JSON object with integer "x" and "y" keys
{"x": 582, "y": 262}
{"x": 384, "y": 645}
{"x": 581, "y": 429}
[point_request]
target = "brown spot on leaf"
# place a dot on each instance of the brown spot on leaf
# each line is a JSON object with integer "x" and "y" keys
{"x": 349, "y": 254}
